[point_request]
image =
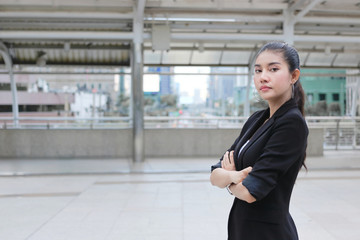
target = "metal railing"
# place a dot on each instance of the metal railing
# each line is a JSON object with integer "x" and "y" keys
{"x": 339, "y": 132}
{"x": 194, "y": 122}
{"x": 66, "y": 123}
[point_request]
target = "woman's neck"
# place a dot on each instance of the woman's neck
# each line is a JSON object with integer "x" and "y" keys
{"x": 275, "y": 105}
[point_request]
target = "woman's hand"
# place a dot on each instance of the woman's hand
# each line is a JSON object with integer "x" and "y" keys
{"x": 239, "y": 176}
{"x": 228, "y": 161}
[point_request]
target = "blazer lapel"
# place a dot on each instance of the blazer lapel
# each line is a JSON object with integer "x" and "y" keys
{"x": 255, "y": 132}
{"x": 261, "y": 130}
{"x": 257, "y": 129}
{"x": 249, "y": 132}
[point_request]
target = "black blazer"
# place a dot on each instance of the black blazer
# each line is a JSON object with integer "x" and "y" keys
{"x": 276, "y": 151}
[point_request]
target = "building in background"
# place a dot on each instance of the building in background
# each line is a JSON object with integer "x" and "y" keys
{"x": 40, "y": 97}
{"x": 325, "y": 91}
{"x": 166, "y": 83}
{"x": 221, "y": 89}
{"x": 34, "y": 98}
{"x": 227, "y": 92}
{"x": 160, "y": 98}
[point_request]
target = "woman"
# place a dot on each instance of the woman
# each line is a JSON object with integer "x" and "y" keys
{"x": 261, "y": 166}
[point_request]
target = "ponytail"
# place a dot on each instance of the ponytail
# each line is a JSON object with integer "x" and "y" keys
{"x": 299, "y": 97}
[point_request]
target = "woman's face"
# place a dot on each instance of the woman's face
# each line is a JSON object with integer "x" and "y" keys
{"x": 272, "y": 77}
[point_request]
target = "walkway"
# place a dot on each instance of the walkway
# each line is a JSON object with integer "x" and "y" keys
{"x": 74, "y": 199}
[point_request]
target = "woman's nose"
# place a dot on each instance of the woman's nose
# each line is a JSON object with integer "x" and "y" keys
{"x": 264, "y": 76}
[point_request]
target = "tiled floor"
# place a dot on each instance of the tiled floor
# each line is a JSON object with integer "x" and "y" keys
{"x": 71, "y": 200}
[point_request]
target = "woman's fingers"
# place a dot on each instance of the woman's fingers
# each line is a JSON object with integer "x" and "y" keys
{"x": 247, "y": 170}
{"x": 231, "y": 157}
{"x": 225, "y": 160}
{"x": 228, "y": 162}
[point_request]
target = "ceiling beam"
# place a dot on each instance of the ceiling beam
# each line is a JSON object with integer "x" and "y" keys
{"x": 331, "y": 20}
{"x": 326, "y": 39}
{"x": 66, "y": 35}
{"x": 73, "y": 46}
{"x": 173, "y": 48}
{"x": 179, "y": 17}
{"x": 256, "y": 18}
{"x": 215, "y": 17}
{"x": 221, "y": 37}
{"x": 206, "y": 37}
{"x": 229, "y": 5}
{"x": 306, "y": 10}
{"x": 65, "y": 15}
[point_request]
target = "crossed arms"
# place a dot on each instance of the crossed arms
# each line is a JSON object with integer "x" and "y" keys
{"x": 227, "y": 175}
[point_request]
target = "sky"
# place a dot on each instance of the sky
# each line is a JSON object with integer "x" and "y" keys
{"x": 189, "y": 83}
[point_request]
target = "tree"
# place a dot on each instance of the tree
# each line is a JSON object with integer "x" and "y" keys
{"x": 168, "y": 100}
{"x": 123, "y": 103}
{"x": 321, "y": 108}
{"x": 334, "y": 109}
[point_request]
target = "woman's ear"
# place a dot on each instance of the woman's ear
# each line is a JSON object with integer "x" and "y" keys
{"x": 295, "y": 76}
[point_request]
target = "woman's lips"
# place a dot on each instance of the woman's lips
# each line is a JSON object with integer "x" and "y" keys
{"x": 265, "y": 88}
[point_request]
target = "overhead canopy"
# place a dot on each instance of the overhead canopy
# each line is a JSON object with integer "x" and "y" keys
{"x": 200, "y": 32}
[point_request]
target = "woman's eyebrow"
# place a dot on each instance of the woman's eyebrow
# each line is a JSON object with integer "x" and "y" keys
{"x": 272, "y": 63}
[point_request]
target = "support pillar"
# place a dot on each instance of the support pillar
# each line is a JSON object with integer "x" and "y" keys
{"x": 137, "y": 82}
{"x": 355, "y": 97}
{"x": 288, "y": 26}
{"x": 138, "y": 107}
{"x": 248, "y": 86}
{"x": 9, "y": 66}
{"x": 247, "y": 97}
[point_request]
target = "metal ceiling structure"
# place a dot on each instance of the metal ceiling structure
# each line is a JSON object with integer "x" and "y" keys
{"x": 201, "y": 32}
{"x": 135, "y": 33}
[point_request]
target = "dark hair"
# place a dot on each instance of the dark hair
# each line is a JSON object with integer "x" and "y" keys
{"x": 291, "y": 56}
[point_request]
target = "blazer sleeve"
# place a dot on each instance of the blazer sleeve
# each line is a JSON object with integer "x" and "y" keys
{"x": 285, "y": 147}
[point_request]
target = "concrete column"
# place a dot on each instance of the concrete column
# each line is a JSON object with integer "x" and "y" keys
{"x": 288, "y": 26}
{"x": 247, "y": 97}
{"x": 9, "y": 66}
{"x": 355, "y": 97}
{"x": 138, "y": 107}
{"x": 248, "y": 86}
{"x": 137, "y": 82}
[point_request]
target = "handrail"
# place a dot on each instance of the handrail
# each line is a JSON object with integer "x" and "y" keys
{"x": 165, "y": 118}
{"x": 339, "y": 131}
{"x": 332, "y": 118}
{"x": 68, "y": 118}
{"x": 148, "y": 118}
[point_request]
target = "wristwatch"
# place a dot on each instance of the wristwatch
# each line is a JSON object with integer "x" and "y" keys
{"x": 228, "y": 189}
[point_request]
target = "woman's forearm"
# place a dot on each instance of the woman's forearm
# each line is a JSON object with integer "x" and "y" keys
{"x": 220, "y": 177}
{"x": 242, "y": 193}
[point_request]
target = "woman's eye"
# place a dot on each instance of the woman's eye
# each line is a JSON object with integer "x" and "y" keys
{"x": 274, "y": 69}
{"x": 257, "y": 71}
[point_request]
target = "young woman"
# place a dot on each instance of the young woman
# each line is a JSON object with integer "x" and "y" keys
{"x": 261, "y": 167}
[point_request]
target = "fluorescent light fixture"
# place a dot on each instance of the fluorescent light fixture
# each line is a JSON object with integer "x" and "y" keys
{"x": 190, "y": 19}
